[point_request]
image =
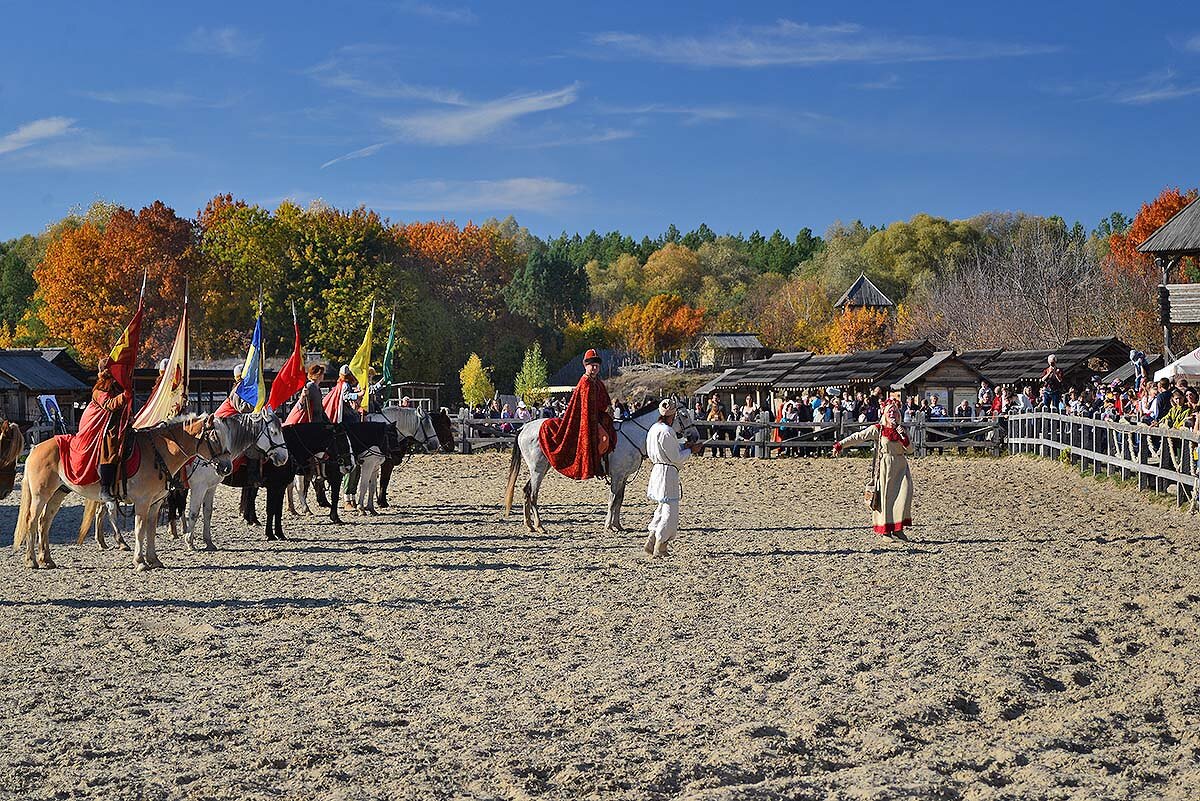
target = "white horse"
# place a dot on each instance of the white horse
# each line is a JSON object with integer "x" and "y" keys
{"x": 260, "y": 430}
{"x": 625, "y": 460}
{"x": 414, "y": 428}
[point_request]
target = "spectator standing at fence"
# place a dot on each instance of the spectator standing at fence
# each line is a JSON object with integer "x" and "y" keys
{"x": 1162, "y": 401}
{"x": 747, "y": 413}
{"x": 963, "y": 410}
{"x": 986, "y": 395}
{"x": 1052, "y": 383}
{"x": 936, "y": 410}
{"x": 892, "y": 478}
{"x": 523, "y": 413}
{"x": 716, "y": 414}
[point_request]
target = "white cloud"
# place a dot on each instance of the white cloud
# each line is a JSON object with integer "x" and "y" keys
{"x": 90, "y": 152}
{"x": 599, "y": 137}
{"x": 146, "y": 97}
{"x": 461, "y": 16}
{"x": 475, "y": 121}
{"x": 882, "y": 84}
{"x": 1193, "y": 44}
{"x": 689, "y": 113}
{"x": 510, "y": 194}
{"x": 359, "y": 71}
{"x": 361, "y": 153}
{"x": 33, "y": 132}
{"x": 788, "y": 43}
{"x": 225, "y": 41}
{"x": 1155, "y": 87}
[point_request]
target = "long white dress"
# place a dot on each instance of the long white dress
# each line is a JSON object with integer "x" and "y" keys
{"x": 894, "y": 479}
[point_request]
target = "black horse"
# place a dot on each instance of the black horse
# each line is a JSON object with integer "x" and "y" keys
{"x": 316, "y": 448}
{"x": 445, "y": 434}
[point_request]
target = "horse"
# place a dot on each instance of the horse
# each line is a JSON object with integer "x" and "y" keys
{"x": 416, "y": 427}
{"x": 312, "y": 446}
{"x": 372, "y": 443}
{"x": 260, "y": 431}
{"x": 623, "y": 461}
{"x": 165, "y": 449}
{"x": 11, "y": 445}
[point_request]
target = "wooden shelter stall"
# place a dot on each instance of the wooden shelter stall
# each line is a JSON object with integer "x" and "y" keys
{"x": 1178, "y": 238}
{"x": 1079, "y": 359}
{"x": 26, "y": 374}
{"x": 943, "y": 374}
{"x": 727, "y": 349}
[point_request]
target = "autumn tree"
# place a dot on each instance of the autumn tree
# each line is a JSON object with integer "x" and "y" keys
{"x": 476, "y": 381}
{"x": 664, "y": 322}
{"x": 589, "y": 332}
{"x": 462, "y": 265}
{"x": 861, "y": 328}
{"x": 531, "y": 383}
{"x": 1123, "y": 245}
{"x": 673, "y": 269}
{"x": 790, "y": 314}
{"x": 89, "y": 280}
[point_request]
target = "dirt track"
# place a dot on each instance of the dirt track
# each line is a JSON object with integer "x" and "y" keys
{"x": 1037, "y": 640}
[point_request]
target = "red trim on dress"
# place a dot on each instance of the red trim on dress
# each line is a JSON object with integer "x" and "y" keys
{"x": 888, "y": 528}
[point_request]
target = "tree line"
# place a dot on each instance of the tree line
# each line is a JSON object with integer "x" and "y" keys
{"x": 997, "y": 279}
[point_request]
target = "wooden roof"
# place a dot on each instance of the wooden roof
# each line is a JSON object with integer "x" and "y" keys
{"x": 728, "y": 341}
{"x": 1178, "y": 236}
{"x": 1021, "y": 366}
{"x": 863, "y": 293}
{"x": 765, "y": 373}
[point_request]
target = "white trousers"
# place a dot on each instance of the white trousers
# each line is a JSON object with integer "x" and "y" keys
{"x": 665, "y": 523}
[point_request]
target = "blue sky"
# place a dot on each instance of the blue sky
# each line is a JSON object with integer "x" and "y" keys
{"x": 602, "y": 115}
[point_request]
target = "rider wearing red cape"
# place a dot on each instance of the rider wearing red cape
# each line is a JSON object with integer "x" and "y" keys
{"x": 576, "y": 443}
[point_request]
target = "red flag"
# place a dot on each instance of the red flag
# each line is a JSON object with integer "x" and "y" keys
{"x": 291, "y": 377}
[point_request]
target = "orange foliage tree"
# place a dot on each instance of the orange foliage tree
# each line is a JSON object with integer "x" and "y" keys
{"x": 665, "y": 321}
{"x": 466, "y": 267}
{"x": 860, "y": 328}
{"x": 1123, "y": 246}
{"x": 88, "y": 281}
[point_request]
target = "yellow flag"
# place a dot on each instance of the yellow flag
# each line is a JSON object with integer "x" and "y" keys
{"x": 362, "y": 361}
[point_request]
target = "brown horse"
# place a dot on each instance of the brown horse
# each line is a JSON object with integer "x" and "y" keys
{"x": 164, "y": 451}
{"x": 11, "y": 445}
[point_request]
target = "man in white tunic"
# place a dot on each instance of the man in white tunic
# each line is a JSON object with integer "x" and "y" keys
{"x": 665, "y": 452}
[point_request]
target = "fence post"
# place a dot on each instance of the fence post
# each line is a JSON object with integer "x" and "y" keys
{"x": 464, "y": 431}
{"x": 763, "y": 436}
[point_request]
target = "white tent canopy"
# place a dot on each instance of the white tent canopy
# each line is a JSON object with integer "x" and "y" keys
{"x": 1187, "y": 367}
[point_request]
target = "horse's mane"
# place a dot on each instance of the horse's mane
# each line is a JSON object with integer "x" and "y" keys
{"x": 651, "y": 406}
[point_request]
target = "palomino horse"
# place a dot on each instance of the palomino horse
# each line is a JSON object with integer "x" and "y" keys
{"x": 11, "y": 445}
{"x": 163, "y": 450}
{"x": 625, "y": 460}
{"x": 258, "y": 430}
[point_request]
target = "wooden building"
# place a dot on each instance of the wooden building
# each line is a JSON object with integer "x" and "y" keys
{"x": 1079, "y": 359}
{"x": 864, "y": 294}
{"x": 943, "y": 374}
{"x": 26, "y": 374}
{"x": 1176, "y": 239}
{"x": 722, "y": 350}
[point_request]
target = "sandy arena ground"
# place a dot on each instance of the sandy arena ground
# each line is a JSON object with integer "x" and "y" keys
{"x": 1037, "y": 640}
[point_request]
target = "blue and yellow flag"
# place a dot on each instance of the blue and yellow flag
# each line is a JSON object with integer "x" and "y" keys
{"x": 253, "y": 386}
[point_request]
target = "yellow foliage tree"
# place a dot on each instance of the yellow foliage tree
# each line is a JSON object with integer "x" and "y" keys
{"x": 860, "y": 329}
{"x": 477, "y": 387}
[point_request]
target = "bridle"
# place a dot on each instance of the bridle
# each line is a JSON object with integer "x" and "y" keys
{"x": 272, "y": 443}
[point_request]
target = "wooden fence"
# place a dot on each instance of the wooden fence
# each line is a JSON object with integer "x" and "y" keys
{"x": 756, "y": 439}
{"x": 1162, "y": 460}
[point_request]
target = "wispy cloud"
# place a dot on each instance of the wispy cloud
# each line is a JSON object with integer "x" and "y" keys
{"x": 510, "y": 194}
{"x": 475, "y": 121}
{"x": 1193, "y": 44}
{"x": 361, "y": 71}
{"x": 594, "y": 138}
{"x": 460, "y": 16}
{"x": 97, "y": 153}
{"x": 788, "y": 43}
{"x": 1155, "y": 87}
{"x": 226, "y": 41}
{"x": 690, "y": 114}
{"x": 887, "y": 82}
{"x": 361, "y": 153}
{"x": 162, "y": 98}
{"x": 34, "y": 132}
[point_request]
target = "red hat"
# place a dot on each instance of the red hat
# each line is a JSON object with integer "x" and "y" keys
{"x": 591, "y": 357}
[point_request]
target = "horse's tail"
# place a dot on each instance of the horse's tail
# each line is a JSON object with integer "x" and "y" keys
{"x": 514, "y": 470}
{"x": 90, "y": 508}
{"x": 22, "y": 530}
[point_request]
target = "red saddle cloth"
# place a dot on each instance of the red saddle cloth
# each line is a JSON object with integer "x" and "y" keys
{"x": 81, "y": 459}
{"x": 572, "y": 445}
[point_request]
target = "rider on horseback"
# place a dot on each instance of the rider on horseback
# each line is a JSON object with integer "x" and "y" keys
{"x": 578, "y": 443}
{"x": 111, "y": 398}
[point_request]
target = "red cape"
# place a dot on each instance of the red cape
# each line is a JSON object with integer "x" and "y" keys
{"x": 571, "y": 442}
{"x": 81, "y": 461}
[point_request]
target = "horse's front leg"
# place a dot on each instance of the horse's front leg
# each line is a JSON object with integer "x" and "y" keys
{"x": 151, "y": 531}
{"x": 43, "y": 536}
{"x": 206, "y": 509}
{"x": 333, "y": 477}
{"x": 616, "y": 498}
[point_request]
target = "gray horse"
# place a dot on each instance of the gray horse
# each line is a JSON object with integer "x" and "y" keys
{"x": 625, "y": 460}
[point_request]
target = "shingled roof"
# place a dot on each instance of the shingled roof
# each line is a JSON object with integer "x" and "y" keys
{"x": 863, "y": 293}
{"x": 728, "y": 341}
{"x": 1178, "y": 236}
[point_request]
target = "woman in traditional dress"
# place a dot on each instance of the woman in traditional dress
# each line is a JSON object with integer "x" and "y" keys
{"x": 892, "y": 478}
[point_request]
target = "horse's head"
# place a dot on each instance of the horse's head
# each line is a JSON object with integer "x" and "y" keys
{"x": 213, "y": 442}
{"x": 343, "y": 451}
{"x": 270, "y": 439}
{"x": 428, "y": 435}
{"x": 685, "y": 426}
{"x": 444, "y": 428}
